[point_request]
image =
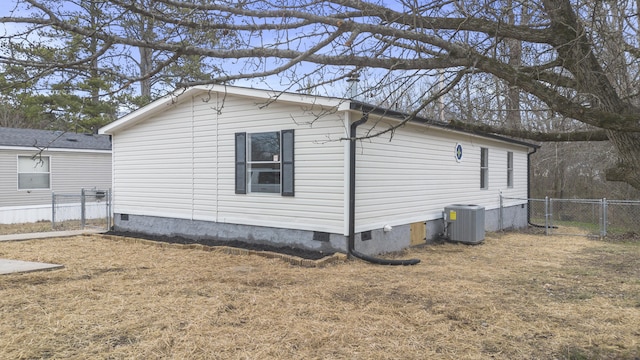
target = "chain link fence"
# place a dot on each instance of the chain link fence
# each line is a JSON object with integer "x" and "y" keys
{"x": 91, "y": 208}
{"x": 586, "y": 217}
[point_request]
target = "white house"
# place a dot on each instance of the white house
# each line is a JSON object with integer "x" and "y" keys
{"x": 67, "y": 163}
{"x": 259, "y": 166}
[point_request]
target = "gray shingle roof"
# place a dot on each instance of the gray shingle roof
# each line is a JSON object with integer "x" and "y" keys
{"x": 53, "y": 139}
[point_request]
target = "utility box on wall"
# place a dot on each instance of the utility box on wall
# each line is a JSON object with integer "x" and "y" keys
{"x": 464, "y": 223}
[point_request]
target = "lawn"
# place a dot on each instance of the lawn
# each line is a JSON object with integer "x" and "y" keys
{"x": 41, "y": 226}
{"x": 517, "y": 296}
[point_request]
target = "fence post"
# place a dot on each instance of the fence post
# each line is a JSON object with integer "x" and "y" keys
{"x": 603, "y": 221}
{"x": 82, "y": 209}
{"x": 546, "y": 215}
{"x": 53, "y": 210}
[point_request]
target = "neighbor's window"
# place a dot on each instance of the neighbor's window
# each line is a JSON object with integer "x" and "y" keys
{"x": 484, "y": 168}
{"x": 509, "y": 169}
{"x": 33, "y": 173}
{"x": 264, "y": 162}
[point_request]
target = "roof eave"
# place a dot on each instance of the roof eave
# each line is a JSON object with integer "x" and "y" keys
{"x": 371, "y": 109}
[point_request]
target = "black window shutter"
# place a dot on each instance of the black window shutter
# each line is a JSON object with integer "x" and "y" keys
{"x": 287, "y": 171}
{"x": 241, "y": 163}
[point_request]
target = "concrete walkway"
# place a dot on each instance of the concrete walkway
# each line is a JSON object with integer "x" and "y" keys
{"x": 17, "y": 266}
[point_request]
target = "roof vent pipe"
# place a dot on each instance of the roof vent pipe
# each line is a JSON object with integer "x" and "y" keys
{"x": 352, "y": 88}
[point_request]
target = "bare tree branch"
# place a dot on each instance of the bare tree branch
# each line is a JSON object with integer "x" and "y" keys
{"x": 593, "y": 135}
{"x": 549, "y": 64}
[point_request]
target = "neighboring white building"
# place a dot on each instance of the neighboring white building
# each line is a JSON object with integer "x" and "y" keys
{"x": 68, "y": 163}
{"x": 259, "y": 166}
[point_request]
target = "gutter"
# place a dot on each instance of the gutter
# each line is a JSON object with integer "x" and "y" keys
{"x": 371, "y": 109}
{"x": 352, "y": 204}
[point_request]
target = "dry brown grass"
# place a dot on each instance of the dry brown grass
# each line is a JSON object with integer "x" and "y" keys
{"x": 45, "y": 226}
{"x": 514, "y": 297}
{"x": 41, "y": 226}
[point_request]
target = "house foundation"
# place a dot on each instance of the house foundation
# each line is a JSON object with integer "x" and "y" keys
{"x": 372, "y": 242}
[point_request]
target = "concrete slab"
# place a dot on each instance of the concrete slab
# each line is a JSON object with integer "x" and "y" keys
{"x": 17, "y": 266}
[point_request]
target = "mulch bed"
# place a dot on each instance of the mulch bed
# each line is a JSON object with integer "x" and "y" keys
{"x": 287, "y": 250}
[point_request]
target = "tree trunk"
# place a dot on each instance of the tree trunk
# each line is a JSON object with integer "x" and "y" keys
{"x": 514, "y": 52}
{"x": 627, "y": 169}
{"x": 146, "y": 64}
{"x": 146, "y": 57}
{"x": 559, "y": 176}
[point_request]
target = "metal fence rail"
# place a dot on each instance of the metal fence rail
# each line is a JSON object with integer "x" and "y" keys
{"x": 89, "y": 208}
{"x": 586, "y": 217}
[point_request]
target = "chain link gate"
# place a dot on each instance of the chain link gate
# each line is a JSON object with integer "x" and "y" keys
{"x": 91, "y": 208}
{"x": 584, "y": 217}
{"x": 576, "y": 217}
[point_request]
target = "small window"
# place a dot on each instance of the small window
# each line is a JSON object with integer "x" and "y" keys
{"x": 510, "y": 169}
{"x": 34, "y": 173}
{"x": 264, "y": 162}
{"x": 484, "y": 168}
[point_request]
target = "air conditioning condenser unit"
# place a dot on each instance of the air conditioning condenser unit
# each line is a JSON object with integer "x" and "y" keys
{"x": 464, "y": 223}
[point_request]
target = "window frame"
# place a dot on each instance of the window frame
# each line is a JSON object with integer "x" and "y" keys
{"x": 285, "y": 159}
{"x": 484, "y": 168}
{"x": 253, "y": 164}
{"x": 509, "y": 169}
{"x": 35, "y": 160}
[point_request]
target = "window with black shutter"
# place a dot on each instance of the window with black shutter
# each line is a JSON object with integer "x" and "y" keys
{"x": 265, "y": 162}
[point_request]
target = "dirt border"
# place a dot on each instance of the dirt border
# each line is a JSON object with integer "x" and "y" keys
{"x": 233, "y": 250}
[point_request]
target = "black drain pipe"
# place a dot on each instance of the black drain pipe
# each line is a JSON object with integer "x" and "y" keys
{"x": 352, "y": 204}
{"x": 535, "y": 149}
{"x": 529, "y": 185}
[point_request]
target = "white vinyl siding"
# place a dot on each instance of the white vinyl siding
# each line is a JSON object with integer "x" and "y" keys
{"x": 205, "y": 160}
{"x": 415, "y": 175}
{"x": 70, "y": 172}
{"x": 181, "y": 164}
{"x": 319, "y": 176}
{"x": 153, "y": 165}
